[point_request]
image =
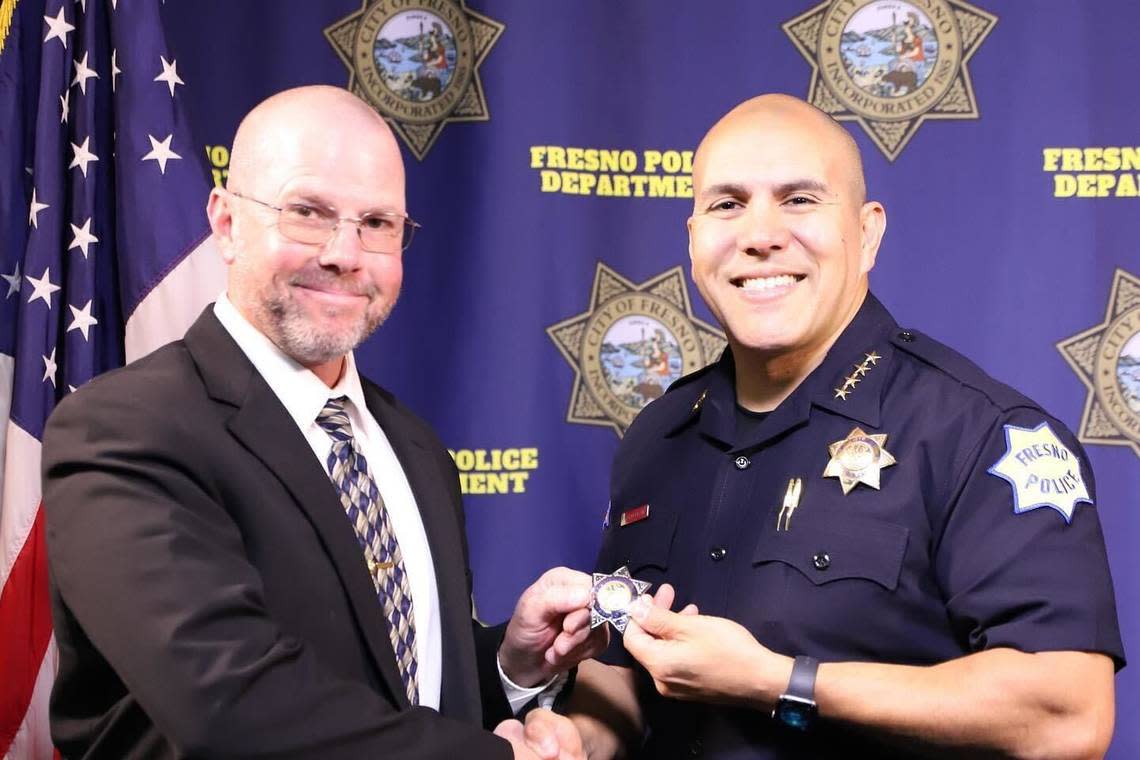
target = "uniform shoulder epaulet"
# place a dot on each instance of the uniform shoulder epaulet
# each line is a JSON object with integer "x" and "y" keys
{"x": 955, "y": 365}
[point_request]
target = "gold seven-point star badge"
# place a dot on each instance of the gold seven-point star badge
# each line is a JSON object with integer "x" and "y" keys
{"x": 891, "y": 64}
{"x": 1106, "y": 357}
{"x": 417, "y": 63}
{"x": 858, "y": 458}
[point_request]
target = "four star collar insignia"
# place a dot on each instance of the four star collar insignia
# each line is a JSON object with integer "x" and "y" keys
{"x": 856, "y": 375}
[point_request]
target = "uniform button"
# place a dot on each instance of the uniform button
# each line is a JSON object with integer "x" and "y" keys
{"x": 821, "y": 560}
{"x": 742, "y": 462}
{"x": 906, "y": 336}
{"x": 718, "y": 553}
{"x": 696, "y": 747}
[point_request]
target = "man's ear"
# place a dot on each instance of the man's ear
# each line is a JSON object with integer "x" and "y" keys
{"x": 872, "y": 225}
{"x": 219, "y": 210}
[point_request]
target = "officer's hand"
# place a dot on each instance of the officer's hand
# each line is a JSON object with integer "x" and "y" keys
{"x": 546, "y": 736}
{"x": 549, "y": 632}
{"x": 700, "y": 657}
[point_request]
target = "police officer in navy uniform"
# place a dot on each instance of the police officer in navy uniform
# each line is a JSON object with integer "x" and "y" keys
{"x": 874, "y": 548}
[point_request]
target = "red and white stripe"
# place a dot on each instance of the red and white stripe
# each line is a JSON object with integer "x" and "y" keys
{"x": 28, "y": 657}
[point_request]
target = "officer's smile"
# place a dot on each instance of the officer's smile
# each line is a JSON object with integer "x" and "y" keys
{"x": 771, "y": 285}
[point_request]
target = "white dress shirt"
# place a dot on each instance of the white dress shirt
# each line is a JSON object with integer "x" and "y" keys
{"x": 304, "y": 395}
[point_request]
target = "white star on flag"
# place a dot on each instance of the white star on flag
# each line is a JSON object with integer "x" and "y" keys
{"x": 115, "y": 70}
{"x": 14, "y": 281}
{"x": 160, "y": 151}
{"x": 83, "y": 237}
{"x": 81, "y": 319}
{"x": 34, "y": 210}
{"x": 82, "y": 74}
{"x": 58, "y": 28}
{"x": 42, "y": 288}
{"x": 82, "y": 156}
{"x": 50, "y": 368}
{"x": 65, "y": 103}
{"x": 169, "y": 74}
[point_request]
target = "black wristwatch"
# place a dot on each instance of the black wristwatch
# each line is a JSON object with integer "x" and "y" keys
{"x": 796, "y": 706}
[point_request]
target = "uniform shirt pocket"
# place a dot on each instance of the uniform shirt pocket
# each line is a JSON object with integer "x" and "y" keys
{"x": 640, "y": 545}
{"x": 843, "y": 547}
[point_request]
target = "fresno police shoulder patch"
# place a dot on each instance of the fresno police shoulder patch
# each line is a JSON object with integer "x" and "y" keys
{"x": 1042, "y": 471}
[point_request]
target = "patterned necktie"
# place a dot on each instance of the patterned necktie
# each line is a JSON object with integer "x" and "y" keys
{"x": 365, "y": 508}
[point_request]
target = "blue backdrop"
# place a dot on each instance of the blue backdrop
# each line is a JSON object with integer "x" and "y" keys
{"x": 1001, "y": 136}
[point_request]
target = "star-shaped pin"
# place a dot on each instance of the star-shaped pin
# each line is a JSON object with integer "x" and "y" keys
{"x": 160, "y": 151}
{"x": 115, "y": 70}
{"x": 83, "y": 237}
{"x": 169, "y": 74}
{"x": 42, "y": 288}
{"x": 82, "y": 74}
{"x": 14, "y": 281}
{"x": 81, "y": 319}
{"x": 35, "y": 209}
{"x": 50, "y": 368}
{"x": 842, "y": 393}
{"x": 860, "y": 370}
{"x": 58, "y": 28}
{"x": 83, "y": 156}
{"x": 611, "y": 597}
{"x": 873, "y": 358}
{"x": 850, "y": 381}
{"x": 65, "y": 106}
{"x": 858, "y": 458}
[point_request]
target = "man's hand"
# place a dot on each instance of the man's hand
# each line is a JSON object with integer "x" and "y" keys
{"x": 546, "y": 736}
{"x": 700, "y": 657}
{"x": 549, "y": 632}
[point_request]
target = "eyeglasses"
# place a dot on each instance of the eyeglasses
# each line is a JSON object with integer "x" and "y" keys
{"x": 379, "y": 233}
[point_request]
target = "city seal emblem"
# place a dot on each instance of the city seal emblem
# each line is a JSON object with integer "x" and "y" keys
{"x": 630, "y": 345}
{"x": 1107, "y": 360}
{"x": 417, "y": 63}
{"x": 891, "y": 64}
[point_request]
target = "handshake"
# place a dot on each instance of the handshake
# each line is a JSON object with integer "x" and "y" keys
{"x": 548, "y": 634}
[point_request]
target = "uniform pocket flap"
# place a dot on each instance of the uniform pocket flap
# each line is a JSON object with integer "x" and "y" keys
{"x": 838, "y": 549}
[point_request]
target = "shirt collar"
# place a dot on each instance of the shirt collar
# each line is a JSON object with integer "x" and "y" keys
{"x": 868, "y": 335}
{"x": 301, "y": 392}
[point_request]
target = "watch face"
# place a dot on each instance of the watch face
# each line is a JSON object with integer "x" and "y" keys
{"x": 797, "y": 713}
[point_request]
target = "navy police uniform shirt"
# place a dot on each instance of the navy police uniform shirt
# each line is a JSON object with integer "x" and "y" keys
{"x": 982, "y": 532}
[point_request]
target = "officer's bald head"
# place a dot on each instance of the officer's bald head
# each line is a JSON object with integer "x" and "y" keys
{"x": 778, "y": 111}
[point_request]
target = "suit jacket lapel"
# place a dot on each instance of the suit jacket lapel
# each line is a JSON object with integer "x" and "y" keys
{"x": 459, "y": 694}
{"x": 263, "y": 426}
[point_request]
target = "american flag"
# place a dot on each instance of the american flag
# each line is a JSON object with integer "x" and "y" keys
{"x": 103, "y": 257}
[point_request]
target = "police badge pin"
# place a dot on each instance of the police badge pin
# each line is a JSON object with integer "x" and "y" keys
{"x": 858, "y": 458}
{"x": 611, "y": 597}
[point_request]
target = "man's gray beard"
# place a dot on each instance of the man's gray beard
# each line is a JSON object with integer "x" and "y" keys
{"x": 304, "y": 341}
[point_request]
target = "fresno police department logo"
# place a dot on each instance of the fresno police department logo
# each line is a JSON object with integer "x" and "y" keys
{"x": 1107, "y": 359}
{"x": 417, "y": 62}
{"x": 630, "y": 344}
{"x": 891, "y": 64}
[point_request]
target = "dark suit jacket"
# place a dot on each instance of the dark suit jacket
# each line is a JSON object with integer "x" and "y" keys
{"x": 209, "y": 596}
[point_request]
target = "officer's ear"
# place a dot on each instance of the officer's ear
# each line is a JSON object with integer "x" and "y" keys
{"x": 872, "y": 225}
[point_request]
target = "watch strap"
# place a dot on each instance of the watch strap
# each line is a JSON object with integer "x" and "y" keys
{"x": 802, "y": 683}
